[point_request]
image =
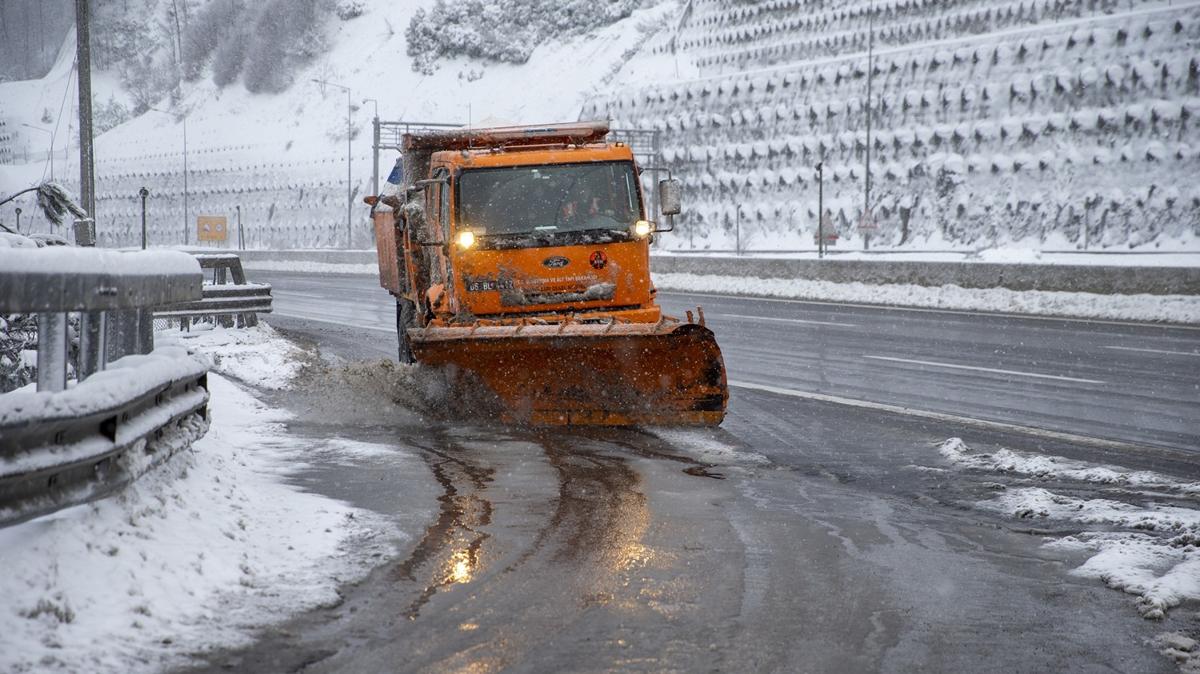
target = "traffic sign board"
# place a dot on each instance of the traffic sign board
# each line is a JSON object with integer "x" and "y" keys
{"x": 211, "y": 227}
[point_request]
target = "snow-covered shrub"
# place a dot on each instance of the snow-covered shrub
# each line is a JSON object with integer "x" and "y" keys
{"x": 229, "y": 59}
{"x": 281, "y": 29}
{"x": 147, "y": 81}
{"x": 206, "y": 31}
{"x": 348, "y": 9}
{"x": 108, "y": 115}
{"x": 502, "y": 30}
{"x": 18, "y": 336}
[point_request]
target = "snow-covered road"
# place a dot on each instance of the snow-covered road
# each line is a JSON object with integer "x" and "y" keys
{"x": 806, "y": 534}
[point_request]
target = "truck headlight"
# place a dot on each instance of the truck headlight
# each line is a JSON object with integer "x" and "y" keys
{"x": 642, "y": 228}
{"x": 466, "y": 239}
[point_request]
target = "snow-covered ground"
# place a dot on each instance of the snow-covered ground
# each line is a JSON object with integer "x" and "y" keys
{"x": 198, "y": 553}
{"x": 1167, "y": 308}
{"x": 1146, "y": 544}
{"x": 258, "y": 356}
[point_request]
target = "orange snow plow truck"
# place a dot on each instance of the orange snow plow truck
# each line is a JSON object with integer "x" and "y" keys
{"x": 519, "y": 258}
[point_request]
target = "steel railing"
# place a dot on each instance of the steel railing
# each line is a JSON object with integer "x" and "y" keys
{"x": 237, "y": 301}
{"x": 129, "y": 406}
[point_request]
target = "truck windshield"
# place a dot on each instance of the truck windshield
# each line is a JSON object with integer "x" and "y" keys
{"x": 546, "y": 200}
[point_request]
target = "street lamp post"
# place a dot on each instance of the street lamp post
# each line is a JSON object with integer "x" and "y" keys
{"x": 186, "y": 213}
{"x": 349, "y": 186}
{"x": 374, "y": 146}
{"x": 143, "y": 193}
{"x": 820, "y": 209}
{"x": 870, "y": 77}
{"x": 50, "y": 133}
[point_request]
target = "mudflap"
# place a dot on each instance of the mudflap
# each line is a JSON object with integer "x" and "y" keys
{"x": 610, "y": 375}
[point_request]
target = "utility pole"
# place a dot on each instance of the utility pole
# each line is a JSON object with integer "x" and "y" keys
{"x": 349, "y": 184}
{"x": 93, "y": 325}
{"x": 187, "y": 224}
{"x": 83, "y": 51}
{"x": 870, "y": 77}
{"x": 241, "y": 237}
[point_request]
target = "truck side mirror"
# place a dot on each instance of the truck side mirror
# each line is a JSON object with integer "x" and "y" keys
{"x": 670, "y": 197}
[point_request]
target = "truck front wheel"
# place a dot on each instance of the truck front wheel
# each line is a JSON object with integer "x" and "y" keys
{"x": 406, "y": 317}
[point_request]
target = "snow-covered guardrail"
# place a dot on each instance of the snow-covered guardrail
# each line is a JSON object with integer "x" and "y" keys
{"x": 220, "y": 297}
{"x": 129, "y": 406}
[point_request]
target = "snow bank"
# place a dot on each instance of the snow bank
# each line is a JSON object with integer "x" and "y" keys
{"x": 195, "y": 555}
{"x": 1162, "y": 575}
{"x": 1167, "y": 308}
{"x": 1046, "y": 466}
{"x": 258, "y": 356}
{"x": 1036, "y": 502}
{"x": 1144, "y": 547}
{"x": 707, "y": 445}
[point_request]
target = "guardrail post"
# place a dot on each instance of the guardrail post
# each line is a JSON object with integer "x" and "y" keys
{"x": 122, "y": 334}
{"x": 85, "y": 232}
{"x": 145, "y": 330}
{"x": 92, "y": 338}
{"x": 52, "y": 352}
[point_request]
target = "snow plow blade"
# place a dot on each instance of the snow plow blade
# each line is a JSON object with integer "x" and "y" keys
{"x": 585, "y": 374}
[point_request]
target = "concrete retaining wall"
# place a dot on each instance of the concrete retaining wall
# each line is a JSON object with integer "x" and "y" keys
{"x": 1076, "y": 278}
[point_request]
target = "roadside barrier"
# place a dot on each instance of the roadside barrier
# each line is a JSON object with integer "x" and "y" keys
{"x": 239, "y": 301}
{"x": 129, "y": 406}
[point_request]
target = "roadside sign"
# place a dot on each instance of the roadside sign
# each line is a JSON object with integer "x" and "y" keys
{"x": 211, "y": 228}
{"x": 867, "y": 222}
{"x": 831, "y": 235}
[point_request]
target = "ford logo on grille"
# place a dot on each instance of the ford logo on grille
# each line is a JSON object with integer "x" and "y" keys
{"x": 556, "y": 262}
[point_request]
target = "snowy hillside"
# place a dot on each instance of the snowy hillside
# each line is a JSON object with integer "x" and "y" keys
{"x": 282, "y": 157}
{"x": 1056, "y": 124}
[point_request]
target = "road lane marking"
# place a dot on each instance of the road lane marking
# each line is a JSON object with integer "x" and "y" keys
{"x": 1173, "y": 353}
{"x": 927, "y": 310}
{"x": 965, "y": 421}
{"x": 786, "y": 320}
{"x": 984, "y": 369}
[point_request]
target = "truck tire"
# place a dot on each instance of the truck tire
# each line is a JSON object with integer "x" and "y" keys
{"x": 406, "y": 317}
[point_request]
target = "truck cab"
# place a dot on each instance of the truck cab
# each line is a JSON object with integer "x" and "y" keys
{"x": 538, "y": 233}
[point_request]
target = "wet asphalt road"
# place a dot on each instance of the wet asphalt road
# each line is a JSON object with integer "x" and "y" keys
{"x": 801, "y": 536}
{"x": 1134, "y": 383}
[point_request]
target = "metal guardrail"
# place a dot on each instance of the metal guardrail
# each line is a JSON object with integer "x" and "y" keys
{"x": 238, "y": 301}
{"x": 130, "y": 407}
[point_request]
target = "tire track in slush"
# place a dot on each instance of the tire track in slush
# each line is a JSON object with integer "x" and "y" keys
{"x": 454, "y": 540}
